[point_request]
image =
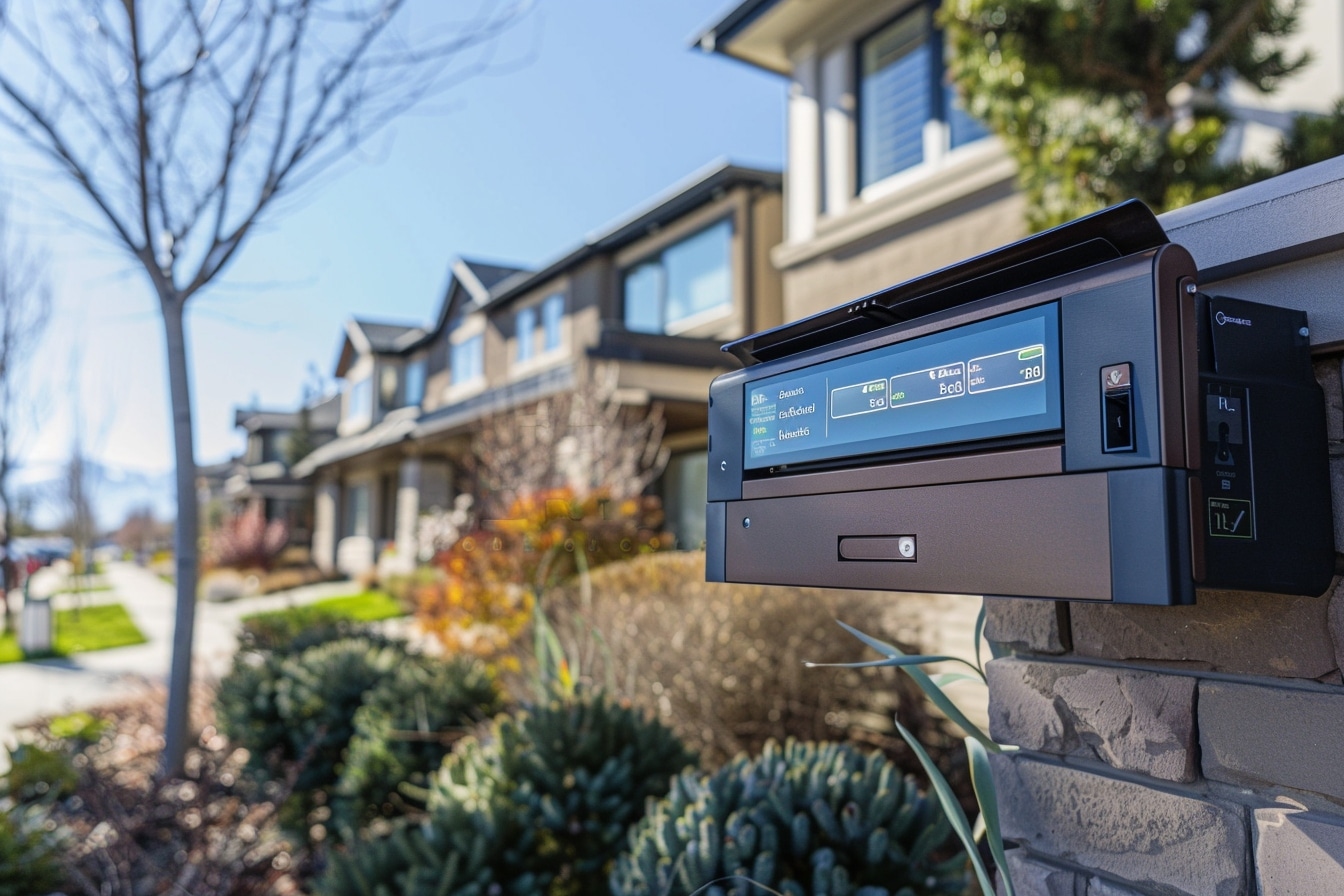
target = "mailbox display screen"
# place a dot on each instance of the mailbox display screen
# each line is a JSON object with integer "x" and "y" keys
{"x": 990, "y": 379}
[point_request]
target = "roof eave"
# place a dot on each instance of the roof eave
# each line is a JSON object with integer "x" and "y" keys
{"x": 721, "y": 37}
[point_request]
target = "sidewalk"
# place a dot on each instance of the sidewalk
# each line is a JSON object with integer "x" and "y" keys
{"x": 32, "y": 689}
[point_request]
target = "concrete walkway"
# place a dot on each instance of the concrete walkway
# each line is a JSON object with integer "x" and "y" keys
{"x": 31, "y": 689}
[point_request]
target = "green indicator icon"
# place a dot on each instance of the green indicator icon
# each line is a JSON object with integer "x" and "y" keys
{"x": 1028, "y": 353}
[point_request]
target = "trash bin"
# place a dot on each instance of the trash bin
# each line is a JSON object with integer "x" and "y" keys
{"x": 35, "y": 627}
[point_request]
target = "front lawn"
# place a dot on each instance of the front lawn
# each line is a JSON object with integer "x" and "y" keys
{"x": 85, "y": 630}
{"x": 368, "y": 606}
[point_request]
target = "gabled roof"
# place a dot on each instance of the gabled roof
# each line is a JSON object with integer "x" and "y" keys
{"x": 469, "y": 287}
{"x": 679, "y": 199}
{"x": 324, "y": 413}
{"x": 385, "y": 337}
{"x": 364, "y": 337}
{"x": 490, "y": 275}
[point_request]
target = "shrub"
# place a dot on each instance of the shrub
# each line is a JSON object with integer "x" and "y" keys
{"x": 360, "y": 715}
{"x": 723, "y": 664}
{"x": 29, "y": 851}
{"x": 37, "y": 773}
{"x": 467, "y": 850}
{"x": 491, "y": 578}
{"x": 246, "y": 698}
{"x": 316, "y": 696}
{"x": 802, "y": 819}
{"x": 566, "y": 778}
{"x": 404, "y": 728}
{"x": 247, "y": 541}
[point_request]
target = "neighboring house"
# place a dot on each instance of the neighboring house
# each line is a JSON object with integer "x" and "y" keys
{"x": 886, "y": 178}
{"x": 262, "y": 476}
{"x": 655, "y": 296}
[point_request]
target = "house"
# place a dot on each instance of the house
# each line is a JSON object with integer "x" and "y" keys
{"x": 262, "y": 477}
{"x": 649, "y": 300}
{"x": 886, "y": 177}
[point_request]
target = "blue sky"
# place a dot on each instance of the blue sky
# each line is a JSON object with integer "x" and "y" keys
{"x": 607, "y": 108}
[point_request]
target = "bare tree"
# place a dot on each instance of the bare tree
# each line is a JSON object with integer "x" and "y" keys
{"x": 182, "y": 122}
{"x": 80, "y": 524}
{"x": 584, "y": 440}
{"x": 25, "y": 305}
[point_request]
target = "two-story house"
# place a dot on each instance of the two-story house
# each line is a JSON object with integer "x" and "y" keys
{"x": 262, "y": 475}
{"x": 886, "y": 177}
{"x": 653, "y": 296}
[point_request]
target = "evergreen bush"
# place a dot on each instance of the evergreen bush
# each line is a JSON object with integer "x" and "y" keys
{"x": 540, "y": 805}
{"x": 804, "y": 819}
{"x": 352, "y": 718}
{"x": 404, "y": 728}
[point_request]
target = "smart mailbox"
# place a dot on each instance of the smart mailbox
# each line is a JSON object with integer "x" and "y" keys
{"x": 1067, "y": 417}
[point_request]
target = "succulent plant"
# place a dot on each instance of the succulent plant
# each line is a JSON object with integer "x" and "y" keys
{"x": 806, "y": 819}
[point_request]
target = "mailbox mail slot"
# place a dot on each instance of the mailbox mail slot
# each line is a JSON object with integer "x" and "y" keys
{"x": 1066, "y": 417}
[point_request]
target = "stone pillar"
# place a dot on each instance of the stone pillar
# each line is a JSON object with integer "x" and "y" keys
{"x": 1192, "y": 750}
{"x": 326, "y": 504}
{"x": 408, "y": 513}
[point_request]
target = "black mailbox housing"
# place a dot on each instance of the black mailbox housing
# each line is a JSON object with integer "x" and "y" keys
{"x": 1066, "y": 417}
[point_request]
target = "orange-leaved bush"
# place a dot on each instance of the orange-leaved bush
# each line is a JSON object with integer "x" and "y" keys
{"x": 490, "y": 579}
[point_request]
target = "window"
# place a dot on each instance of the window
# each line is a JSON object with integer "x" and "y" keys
{"x": 359, "y": 403}
{"x": 387, "y": 388}
{"x": 525, "y": 330}
{"x": 357, "y": 510}
{"x": 901, "y": 88}
{"x": 552, "y": 314}
{"x": 687, "y": 280}
{"x": 469, "y": 359}
{"x": 415, "y": 382}
{"x": 684, "y": 487}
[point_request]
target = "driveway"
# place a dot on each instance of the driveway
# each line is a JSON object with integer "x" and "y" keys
{"x": 32, "y": 689}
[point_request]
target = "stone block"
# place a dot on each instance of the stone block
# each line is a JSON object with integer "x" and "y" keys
{"x": 1327, "y": 371}
{"x": 1027, "y": 626}
{"x": 1256, "y": 735}
{"x": 1336, "y": 610}
{"x": 1286, "y": 637}
{"x": 1136, "y": 721}
{"x": 1298, "y": 854}
{"x": 1153, "y": 838}
{"x": 1032, "y": 877}
{"x": 1098, "y": 886}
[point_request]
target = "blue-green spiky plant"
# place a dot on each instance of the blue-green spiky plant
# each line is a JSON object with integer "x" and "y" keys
{"x": 540, "y": 805}
{"x": 803, "y": 819}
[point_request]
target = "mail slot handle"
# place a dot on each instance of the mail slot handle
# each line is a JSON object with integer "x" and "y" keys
{"x": 878, "y": 547}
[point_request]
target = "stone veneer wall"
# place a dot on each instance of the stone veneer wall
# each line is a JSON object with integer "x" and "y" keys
{"x": 1192, "y": 750}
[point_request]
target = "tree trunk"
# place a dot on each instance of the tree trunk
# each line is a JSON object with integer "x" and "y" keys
{"x": 176, "y": 727}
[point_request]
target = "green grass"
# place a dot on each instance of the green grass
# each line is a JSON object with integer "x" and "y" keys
{"x": 368, "y": 606}
{"x": 91, "y": 589}
{"x": 83, "y": 631}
